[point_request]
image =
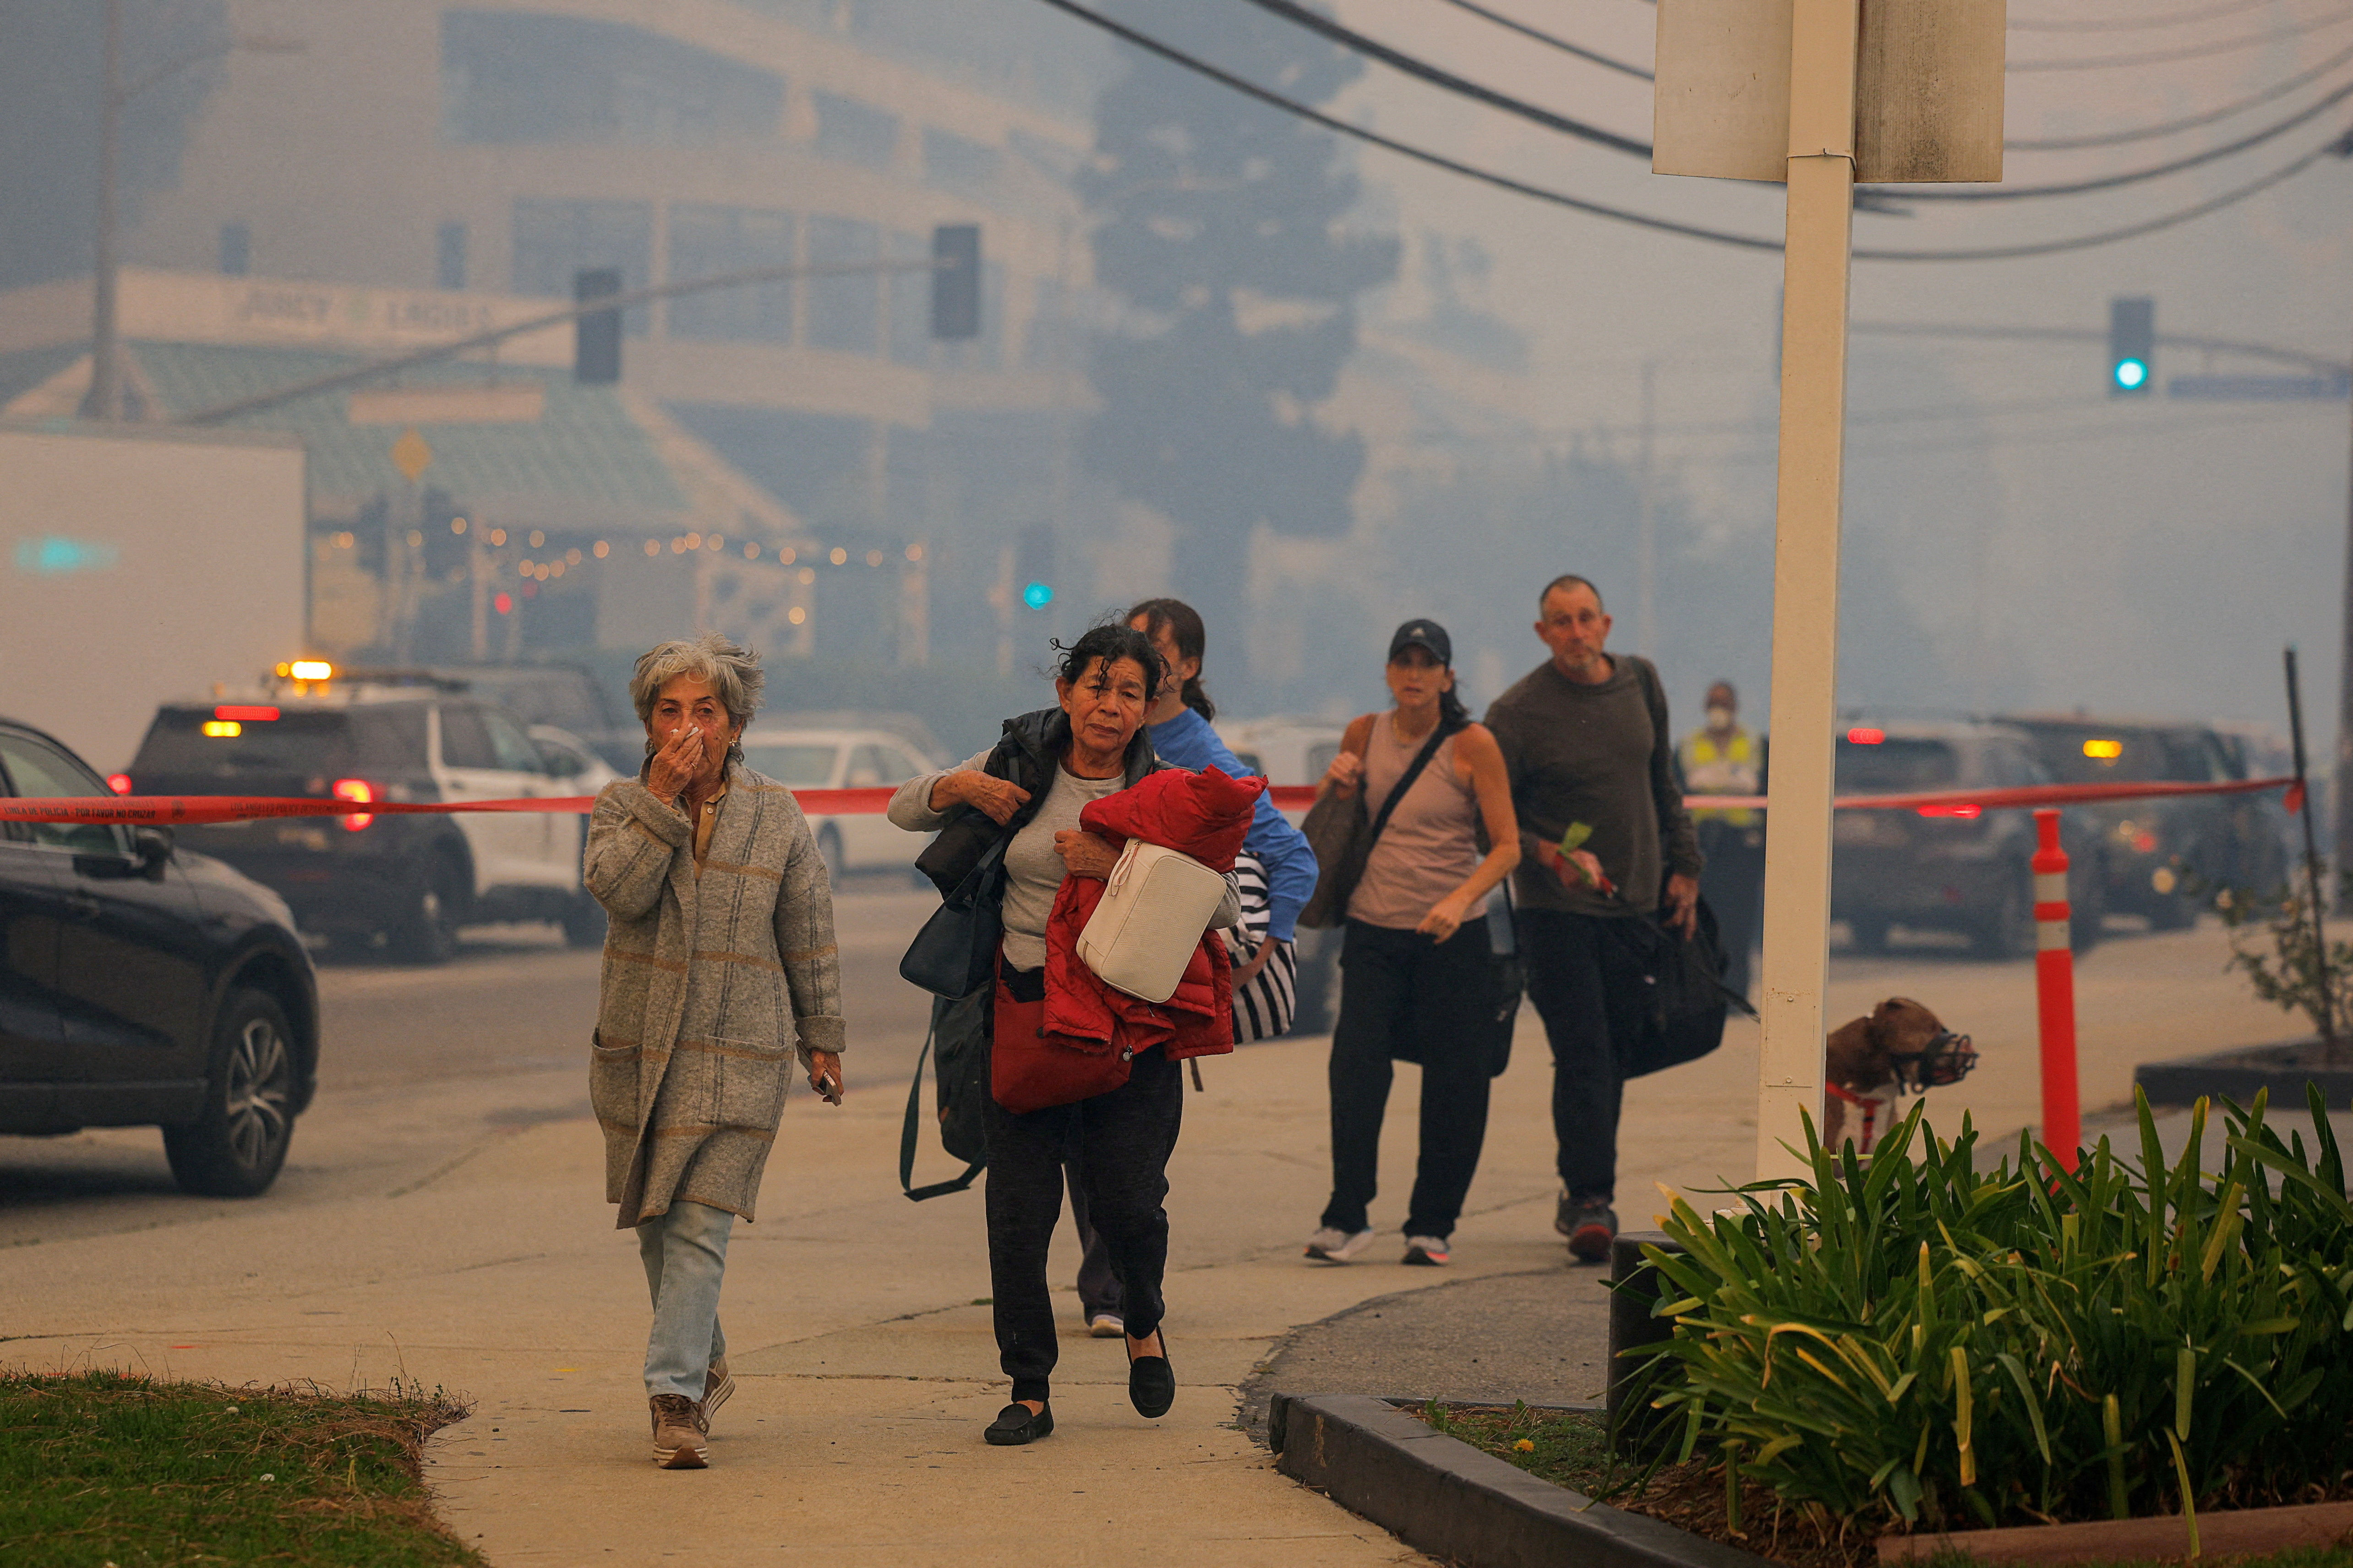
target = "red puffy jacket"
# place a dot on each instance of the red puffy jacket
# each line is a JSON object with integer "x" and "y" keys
{"x": 1204, "y": 815}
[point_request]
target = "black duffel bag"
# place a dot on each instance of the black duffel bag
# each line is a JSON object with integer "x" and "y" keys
{"x": 1681, "y": 1019}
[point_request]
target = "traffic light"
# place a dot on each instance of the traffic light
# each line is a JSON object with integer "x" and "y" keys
{"x": 955, "y": 281}
{"x": 597, "y": 335}
{"x": 1033, "y": 565}
{"x": 2132, "y": 346}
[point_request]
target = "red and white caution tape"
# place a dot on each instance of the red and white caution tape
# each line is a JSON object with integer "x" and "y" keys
{"x": 169, "y": 810}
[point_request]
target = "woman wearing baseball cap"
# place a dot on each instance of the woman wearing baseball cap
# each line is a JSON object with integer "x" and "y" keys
{"x": 1418, "y": 973}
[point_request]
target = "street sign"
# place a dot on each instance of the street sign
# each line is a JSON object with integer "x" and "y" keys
{"x": 506, "y": 403}
{"x": 1927, "y": 88}
{"x": 411, "y": 455}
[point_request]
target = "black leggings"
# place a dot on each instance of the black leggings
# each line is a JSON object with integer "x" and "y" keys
{"x": 1119, "y": 1143}
{"x": 1403, "y": 994}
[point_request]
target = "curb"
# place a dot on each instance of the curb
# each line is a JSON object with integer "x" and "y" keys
{"x": 1441, "y": 1495}
{"x": 2233, "y": 1074}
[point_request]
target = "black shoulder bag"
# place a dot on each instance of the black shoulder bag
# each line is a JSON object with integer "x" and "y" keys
{"x": 1337, "y": 831}
{"x": 955, "y": 953}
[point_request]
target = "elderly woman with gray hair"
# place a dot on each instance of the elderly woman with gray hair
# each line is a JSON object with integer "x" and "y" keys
{"x": 719, "y": 964}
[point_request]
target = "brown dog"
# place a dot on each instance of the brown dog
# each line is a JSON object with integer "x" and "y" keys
{"x": 1901, "y": 1046}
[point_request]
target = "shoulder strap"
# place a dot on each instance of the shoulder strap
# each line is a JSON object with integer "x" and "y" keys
{"x": 1438, "y": 737}
{"x": 907, "y": 1141}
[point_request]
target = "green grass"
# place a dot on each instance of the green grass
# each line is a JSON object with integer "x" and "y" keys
{"x": 100, "y": 1469}
{"x": 1568, "y": 1448}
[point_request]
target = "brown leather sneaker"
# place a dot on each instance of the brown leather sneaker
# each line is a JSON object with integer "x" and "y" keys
{"x": 677, "y": 1433}
{"x": 718, "y": 1385}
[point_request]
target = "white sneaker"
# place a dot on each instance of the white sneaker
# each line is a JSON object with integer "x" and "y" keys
{"x": 1337, "y": 1246}
{"x": 1426, "y": 1251}
{"x": 1106, "y": 1325}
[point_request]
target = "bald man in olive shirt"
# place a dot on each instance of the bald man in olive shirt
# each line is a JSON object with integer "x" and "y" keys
{"x": 1585, "y": 739}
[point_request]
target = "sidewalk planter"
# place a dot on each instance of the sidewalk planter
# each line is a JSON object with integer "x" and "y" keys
{"x": 2283, "y": 1070}
{"x": 1441, "y": 1495}
{"x": 2241, "y": 1532}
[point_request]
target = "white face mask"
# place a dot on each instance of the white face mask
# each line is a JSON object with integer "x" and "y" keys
{"x": 1719, "y": 718}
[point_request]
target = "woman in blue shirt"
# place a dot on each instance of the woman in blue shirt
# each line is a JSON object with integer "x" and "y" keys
{"x": 1179, "y": 722}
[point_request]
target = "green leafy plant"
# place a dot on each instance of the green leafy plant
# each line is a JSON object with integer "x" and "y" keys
{"x": 2273, "y": 944}
{"x": 1918, "y": 1342}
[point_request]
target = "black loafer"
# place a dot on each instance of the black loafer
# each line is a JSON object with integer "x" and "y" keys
{"x": 1014, "y": 1424}
{"x": 1151, "y": 1385}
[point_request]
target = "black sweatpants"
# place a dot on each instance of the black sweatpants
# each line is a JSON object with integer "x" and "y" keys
{"x": 1120, "y": 1143}
{"x": 1402, "y": 995}
{"x": 1586, "y": 982}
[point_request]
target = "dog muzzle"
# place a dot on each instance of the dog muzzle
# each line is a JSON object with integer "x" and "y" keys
{"x": 1946, "y": 1058}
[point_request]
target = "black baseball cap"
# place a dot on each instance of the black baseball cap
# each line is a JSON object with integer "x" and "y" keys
{"x": 1426, "y": 635}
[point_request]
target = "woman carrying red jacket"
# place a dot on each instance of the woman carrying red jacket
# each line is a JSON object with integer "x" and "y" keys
{"x": 1029, "y": 790}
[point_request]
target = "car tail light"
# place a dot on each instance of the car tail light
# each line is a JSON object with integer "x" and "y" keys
{"x": 119, "y": 782}
{"x": 246, "y": 712}
{"x": 1866, "y": 736}
{"x": 1966, "y": 813}
{"x": 356, "y": 790}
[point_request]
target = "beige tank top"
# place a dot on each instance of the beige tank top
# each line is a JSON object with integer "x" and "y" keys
{"x": 1430, "y": 846}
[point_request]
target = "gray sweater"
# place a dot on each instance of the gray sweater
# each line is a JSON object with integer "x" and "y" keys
{"x": 1601, "y": 755}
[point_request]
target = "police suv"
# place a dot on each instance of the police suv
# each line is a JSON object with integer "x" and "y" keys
{"x": 367, "y": 879}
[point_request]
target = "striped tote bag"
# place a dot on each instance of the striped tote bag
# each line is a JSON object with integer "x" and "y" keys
{"x": 1264, "y": 1008}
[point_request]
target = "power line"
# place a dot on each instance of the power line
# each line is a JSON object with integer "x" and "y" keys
{"x": 2126, "y": 24}
{"x": 2131, "y": 231}
{"x": 2187, "y": 52}
{"x": 1396, "y": 60}
{"x": 2131, "y": 177}
{"x": 2146, "y": 133}
{"x": 1540, "y": 36}
{"x": 1176, "y": 57}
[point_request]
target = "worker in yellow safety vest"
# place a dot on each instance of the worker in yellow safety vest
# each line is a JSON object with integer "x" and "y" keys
{"x": 1725, "y": 759}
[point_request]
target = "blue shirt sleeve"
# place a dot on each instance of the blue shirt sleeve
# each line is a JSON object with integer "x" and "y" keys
{"x": 1290, "y": 871}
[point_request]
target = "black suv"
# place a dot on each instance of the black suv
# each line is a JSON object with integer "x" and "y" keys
{"x": 2156, "y": 853}
{"x": 405, "y": 882}
{"x": 141, "y": 983}
{"x": 1949, "y": 868}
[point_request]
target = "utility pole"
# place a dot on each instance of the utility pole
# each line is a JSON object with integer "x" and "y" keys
{"x": 1646, "y": 607}
{"x": 2340, "y": 816}
{"x": 1823, "y": 37}
{"x": 104, "y": 400}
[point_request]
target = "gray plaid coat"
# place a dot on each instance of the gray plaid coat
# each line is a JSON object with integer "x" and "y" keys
{"x": 709, "y": 984}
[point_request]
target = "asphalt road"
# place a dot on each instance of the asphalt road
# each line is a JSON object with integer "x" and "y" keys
{"x": 422, "y": 1067}
{"x": 425, "y": 1067}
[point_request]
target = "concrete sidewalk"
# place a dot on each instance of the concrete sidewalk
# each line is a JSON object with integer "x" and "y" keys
{"x": 858, "y": 1324}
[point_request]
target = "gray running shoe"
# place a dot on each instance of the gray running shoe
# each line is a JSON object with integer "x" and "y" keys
{"x": 1330, "y": 1245}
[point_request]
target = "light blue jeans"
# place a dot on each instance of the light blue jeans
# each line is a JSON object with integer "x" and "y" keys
{"x": 685, "y": 1253}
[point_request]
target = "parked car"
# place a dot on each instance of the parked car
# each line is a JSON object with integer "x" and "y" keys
{"x": 405, "y": 883}
{"x": 143, "y": 984}
{"x": 1290, "y": 750}
{"x": 2157, "y": 854}
{"x": 1949, "y": 868}
{"x": 845, "y": 757}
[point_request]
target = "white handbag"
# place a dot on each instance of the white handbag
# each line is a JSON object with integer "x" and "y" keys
{"x": 1156, "y": 906}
